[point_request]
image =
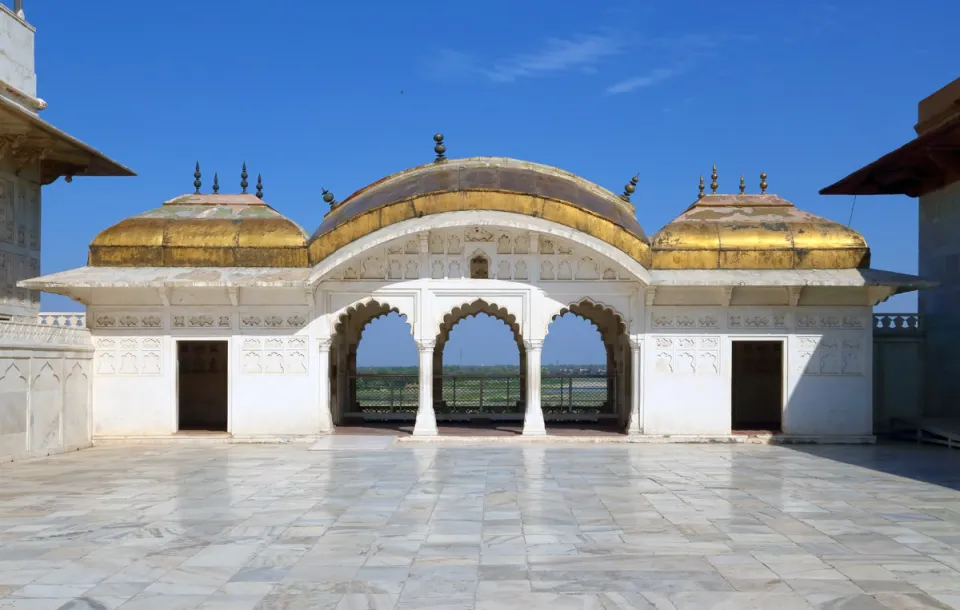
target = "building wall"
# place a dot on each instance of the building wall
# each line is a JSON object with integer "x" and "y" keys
{"x": 275, "y": 369}
{"x": 19, "y": 241}
{"x": 940, "y": 307}
{"x": 44, "y": 390}
{"x": 827, "y": 367}
{"x": 16, "y": 52}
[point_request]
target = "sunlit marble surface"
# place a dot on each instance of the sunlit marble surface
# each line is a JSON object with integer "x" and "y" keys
{"x": 381, "y": 525}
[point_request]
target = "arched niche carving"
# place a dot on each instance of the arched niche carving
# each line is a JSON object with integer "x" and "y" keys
{"x": 479, "y": 266}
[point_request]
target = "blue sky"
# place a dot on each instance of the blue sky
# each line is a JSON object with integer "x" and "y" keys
{"x": 339, "y": 94}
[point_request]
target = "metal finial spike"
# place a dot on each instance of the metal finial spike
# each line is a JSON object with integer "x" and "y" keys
{"x": 763, "y": 183}
{"x": 713, "y": 176}
{"x": 440, "y": 149}
{"x": 700, "y": 195}
{"x": 243, "y": 179}
{"x": 329, "y": 198}
{"x": 196, "y": 179}
{"x": 743, "y": 185}
{"x": 630, "y": 188}
{"x": 216, "y": 183}
{"x": 259, "y": 187}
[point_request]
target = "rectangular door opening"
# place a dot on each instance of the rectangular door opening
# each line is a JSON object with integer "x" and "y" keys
{"x": 202, "y": 385}
{"x": 757, "y": 386}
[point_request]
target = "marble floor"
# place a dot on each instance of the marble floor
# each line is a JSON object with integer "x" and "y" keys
{"x": 381, "y": 525}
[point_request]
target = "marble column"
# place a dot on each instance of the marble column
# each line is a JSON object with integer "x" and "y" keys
{"x": 635, "y": 423}
{"x": 343, "y": 379}
{"x": 426, "y": 418}
{"x": 326, "y": 417}
{"x": 533, "y": 417}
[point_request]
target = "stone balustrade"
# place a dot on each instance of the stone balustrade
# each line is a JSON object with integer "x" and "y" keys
{"x": 68, "y": 320}
{"x": 897, "y": 323}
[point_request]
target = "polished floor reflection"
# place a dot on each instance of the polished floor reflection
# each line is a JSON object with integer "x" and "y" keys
{"x": 365, "y": 523}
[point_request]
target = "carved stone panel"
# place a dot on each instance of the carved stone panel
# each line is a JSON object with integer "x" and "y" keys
{"x": 128, "y": 356}
{"x": 274, "y": 356}
{"x": 687, "y": 355}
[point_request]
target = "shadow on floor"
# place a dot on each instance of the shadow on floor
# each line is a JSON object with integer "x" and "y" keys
{"x": 926, "y": 463}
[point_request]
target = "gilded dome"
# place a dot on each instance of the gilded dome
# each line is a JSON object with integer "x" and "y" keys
{"x": 755, "y": 232}
{"x": 203, "y": 231}
{"x": 488, "y": 184}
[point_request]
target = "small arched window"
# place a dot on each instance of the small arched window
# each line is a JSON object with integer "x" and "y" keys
{"x": 479, "y": 267}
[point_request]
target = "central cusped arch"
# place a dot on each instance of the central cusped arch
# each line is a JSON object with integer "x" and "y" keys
{"x": 478, "y": 396}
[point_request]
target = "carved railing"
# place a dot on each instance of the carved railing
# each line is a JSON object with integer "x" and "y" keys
{"x": 577, "y": 394}
{"x": 385, "y": 394}
{"x": 898, "y": 323}
{"x": 481, "y": 395}
{"x": 67, "y": 320}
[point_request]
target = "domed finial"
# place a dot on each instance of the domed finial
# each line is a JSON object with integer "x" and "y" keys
{"x": 196, "y": 179}
{"x": 440, "y": 149}
{"x": 700, "y": 195}
{"x": 243, "y": 179}
{"x": 630, "y": 188}
{"x": 763, "y": 183}
{"x": 329, "y": 198}
{"x": 259, "y": 187}
{"x": 743, "y": 185}
{"x": 713, "y": 176}
{"x": 216, "y": 183}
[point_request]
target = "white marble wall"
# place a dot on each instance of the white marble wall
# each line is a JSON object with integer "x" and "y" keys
{"x": 44, "y": 400}
{"x": 827, "y": 368}
{"x": 19, "y": 243}
{"x": 17, "y": 58}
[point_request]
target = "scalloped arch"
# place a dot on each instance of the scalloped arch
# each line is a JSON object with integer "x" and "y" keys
{"x": 466, "y": 310}
{"x": 608, "y": 321}
{"x": 362, "y": 313}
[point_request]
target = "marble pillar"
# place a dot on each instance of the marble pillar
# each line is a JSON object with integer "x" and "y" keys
{"x": 635, "y": 423}
{"x": 533, "y": 417}
{"x": 426, "y": 418}
{"x": 326, "y": 417}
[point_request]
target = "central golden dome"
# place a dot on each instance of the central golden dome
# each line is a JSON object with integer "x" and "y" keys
{"x": 487, "y": 184}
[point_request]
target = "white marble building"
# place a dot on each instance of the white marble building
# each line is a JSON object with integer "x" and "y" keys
{"x": 214, "y": 312}
{"x": 45, "y": 376}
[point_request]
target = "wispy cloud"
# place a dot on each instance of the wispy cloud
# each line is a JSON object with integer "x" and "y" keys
{"x": 679, "y": 55}
{"x": 554, "y": 56}
{"x": 655, "y": 77}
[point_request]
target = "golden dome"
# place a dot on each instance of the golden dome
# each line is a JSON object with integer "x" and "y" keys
{"x": 203, "y": 231}
{"x": 488, "y": 184}
{"x": 755, "y": 232}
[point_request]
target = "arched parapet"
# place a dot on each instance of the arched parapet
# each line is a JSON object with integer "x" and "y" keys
{"x": 360, "y": 259}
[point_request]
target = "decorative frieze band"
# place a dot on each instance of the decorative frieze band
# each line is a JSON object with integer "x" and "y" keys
{"x": 273, "y": 320}
{"x": 751, "y": 319}
{"x": 125, "y": 320}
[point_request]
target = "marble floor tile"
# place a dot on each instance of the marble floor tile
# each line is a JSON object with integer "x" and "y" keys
{"x": 668, "y": 527}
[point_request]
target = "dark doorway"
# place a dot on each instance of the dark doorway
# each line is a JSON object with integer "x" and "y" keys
{"x": 757, "y": 392}
{"x": 202, "y": 385}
